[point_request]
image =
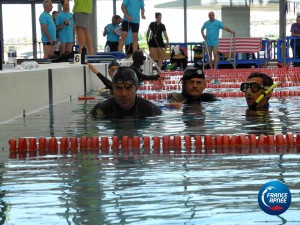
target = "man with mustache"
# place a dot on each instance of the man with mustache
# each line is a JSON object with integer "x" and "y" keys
{"x": 193, "y": 85}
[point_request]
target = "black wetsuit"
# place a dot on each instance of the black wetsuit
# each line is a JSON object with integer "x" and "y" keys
{"x": 105, "y": 81}
{"x": 179, "y": 97}
{"x": 142, "y": 76}
{"x": 110, "y": 109}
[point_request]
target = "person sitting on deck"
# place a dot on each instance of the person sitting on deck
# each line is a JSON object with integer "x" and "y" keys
{"x": 193, "y": 85}
{"x": 257, "y": 89}
{"x": 138, "y": 60}
{"x": 125, "y": 103}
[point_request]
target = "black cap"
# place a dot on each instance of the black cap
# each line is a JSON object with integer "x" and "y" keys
{"x": 192, "y": 72}
{"x": 125, "y": 74}
{"x": 113, "y": 63}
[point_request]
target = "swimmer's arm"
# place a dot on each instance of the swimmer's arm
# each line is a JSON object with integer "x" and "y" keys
{"x": 105, "y": 81}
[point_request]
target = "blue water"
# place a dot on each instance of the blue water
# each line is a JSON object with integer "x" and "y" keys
{"x": 148, "y": 189}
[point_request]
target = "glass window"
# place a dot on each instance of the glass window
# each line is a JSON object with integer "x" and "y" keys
{"x": 17, "y": 30}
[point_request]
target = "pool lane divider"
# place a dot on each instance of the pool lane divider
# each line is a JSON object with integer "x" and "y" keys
{"x": 222, "y": 94}
{"x": 218, "y": 143}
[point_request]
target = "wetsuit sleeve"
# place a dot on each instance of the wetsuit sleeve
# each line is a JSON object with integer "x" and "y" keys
{"x": 208, "y": 97}
{"x": 105, "y": 81}
{"x": 142, "y": 76}
{"x": 103, "y": 109}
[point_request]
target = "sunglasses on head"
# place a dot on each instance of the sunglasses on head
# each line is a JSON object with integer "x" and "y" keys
{"x": 255, "y": 87}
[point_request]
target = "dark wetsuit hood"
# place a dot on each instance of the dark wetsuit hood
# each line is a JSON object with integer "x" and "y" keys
{"x": 138, "y": 58}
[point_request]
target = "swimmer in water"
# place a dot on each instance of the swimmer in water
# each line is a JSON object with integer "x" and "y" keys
{"x": 125, "y": 103}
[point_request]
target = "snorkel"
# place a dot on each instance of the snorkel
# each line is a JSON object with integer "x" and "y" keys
{"x": 258, "y": 100}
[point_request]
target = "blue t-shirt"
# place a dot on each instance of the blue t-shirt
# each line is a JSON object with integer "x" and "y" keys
{"x": 46, "y": 18}
{"x": 129, "y": 39}
{"x": 212, "y": 31}
{"x": 133, "y": 9}
{"x": 65, "y": 35}
{"x": 112, "y": 36}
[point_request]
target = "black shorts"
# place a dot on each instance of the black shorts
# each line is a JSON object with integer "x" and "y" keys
{"x": 48, "y": 43}
{"x": 156, "y": 43}
{"x": 113, "y": 46}
{"x": 134, "y": 26}
{"x": 129, "y": 49}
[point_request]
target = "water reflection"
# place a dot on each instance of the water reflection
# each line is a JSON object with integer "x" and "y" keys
{"x": 258, "y": 122}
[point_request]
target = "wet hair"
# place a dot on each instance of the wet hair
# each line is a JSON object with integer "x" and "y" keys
{"x": 113, "y": 63}
{"x": 138, "y": 58}
{"x": 125, "y": 74}
{"x": 157, "y": 14}
{"x": 190, "y": 73}
{"x": 267, "y": 80}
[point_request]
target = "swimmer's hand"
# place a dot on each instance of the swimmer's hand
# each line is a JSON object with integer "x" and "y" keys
{"x": 173, "y": 105}
{"x": 92, "y": 68}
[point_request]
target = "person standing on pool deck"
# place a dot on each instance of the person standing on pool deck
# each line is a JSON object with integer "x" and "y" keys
{"x": 131, "y": 19}
{"x": 211, "y": 37}
{"x": 48, "y": 29}
{"x": 82, "y": 12}
{"x": 125, "y": 103}
{"x": 155, "y": 42}
{"x": 256, "y": 86}
{"x": 295, "y": 44}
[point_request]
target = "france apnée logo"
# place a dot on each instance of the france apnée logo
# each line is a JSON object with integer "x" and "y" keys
{"x": 274, "y": 198}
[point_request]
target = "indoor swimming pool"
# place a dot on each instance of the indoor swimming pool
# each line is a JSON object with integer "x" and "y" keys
{"x": 151, "y": 186}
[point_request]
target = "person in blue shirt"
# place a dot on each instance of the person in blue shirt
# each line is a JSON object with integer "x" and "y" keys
{"x": 48, "y": 29}
{"x": 111, "y": 31}
{"x": 65, "y": 27}
{"x": 131, "y": 19}
{"x": 212, "y": 27}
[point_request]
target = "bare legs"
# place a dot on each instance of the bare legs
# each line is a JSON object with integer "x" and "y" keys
{"x": 122, "y": 40}
{"x": 48, "y": 51}
{"x": 65, "y": 47}
{"x": 85, "y": 39}
{"x": 157, "y": 54}
{"x": 135, "y": 43}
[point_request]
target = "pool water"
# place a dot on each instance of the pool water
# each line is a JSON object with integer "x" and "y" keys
{"x": 139, "y": 188}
